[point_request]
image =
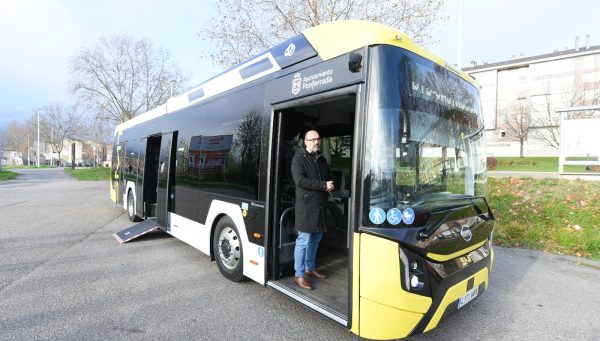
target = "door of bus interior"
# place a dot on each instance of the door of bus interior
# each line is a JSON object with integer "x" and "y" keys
{"x": 165, "y": 192}
{"x": 332, "y": 115}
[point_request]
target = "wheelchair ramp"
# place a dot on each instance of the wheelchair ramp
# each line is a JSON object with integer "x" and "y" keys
{"x": 135, "y": 231}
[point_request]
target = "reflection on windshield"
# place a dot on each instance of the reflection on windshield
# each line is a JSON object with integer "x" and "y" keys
{"x": 424, "y": 138}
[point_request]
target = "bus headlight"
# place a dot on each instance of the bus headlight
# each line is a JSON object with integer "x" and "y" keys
{"x": 414, "y": 265}
{"x": 415, "y": 283}
{"x": 413, "y": 273}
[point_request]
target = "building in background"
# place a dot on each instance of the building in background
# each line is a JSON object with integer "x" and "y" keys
{"x": 88, "y": 154}
{"x": 11, "y": 158}
{"x": 520, "y": 98}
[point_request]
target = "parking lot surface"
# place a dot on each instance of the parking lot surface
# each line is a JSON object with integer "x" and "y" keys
{"x": 64, "y": 277}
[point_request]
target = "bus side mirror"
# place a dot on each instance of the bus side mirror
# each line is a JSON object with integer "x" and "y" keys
{"x": 354, "y": 62}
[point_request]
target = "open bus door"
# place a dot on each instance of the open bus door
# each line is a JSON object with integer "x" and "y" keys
{"x": 332, "y": 114}
{"x": 165, "y": 189}
{"x": 158, "y": 187}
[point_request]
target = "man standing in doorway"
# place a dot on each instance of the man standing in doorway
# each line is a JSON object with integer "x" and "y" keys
{"x": 313, "y": 182}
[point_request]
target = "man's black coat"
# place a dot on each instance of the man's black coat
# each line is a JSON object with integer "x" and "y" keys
{"x": 311, "y": 173}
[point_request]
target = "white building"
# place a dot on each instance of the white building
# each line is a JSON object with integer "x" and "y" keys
{"x": 523, "y": 94}
{"x": 11, "y": 158}
{"x": 50, "y": 154}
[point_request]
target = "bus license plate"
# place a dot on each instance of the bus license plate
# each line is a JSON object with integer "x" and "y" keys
{"x": 468, "y": 297}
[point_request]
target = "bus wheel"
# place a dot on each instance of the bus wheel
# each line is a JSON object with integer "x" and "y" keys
{"x": 131, "y": 207}
{"x": 228, "y": 250}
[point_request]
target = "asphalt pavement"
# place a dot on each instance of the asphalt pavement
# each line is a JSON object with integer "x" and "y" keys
{"x": 64, "y": 277}
{"x": 42, "y": 174}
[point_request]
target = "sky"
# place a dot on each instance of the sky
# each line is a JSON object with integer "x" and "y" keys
{"x": 39, "y": 37}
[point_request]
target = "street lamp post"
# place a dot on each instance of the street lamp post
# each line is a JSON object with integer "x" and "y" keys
{"x": 38, "y": 139}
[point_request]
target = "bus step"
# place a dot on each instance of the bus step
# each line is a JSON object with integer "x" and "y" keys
{"x": 135, "y": 231}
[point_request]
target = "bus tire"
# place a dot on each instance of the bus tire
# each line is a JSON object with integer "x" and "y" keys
{"x": 131, "y": 207}
{"x": 227, "y": 248}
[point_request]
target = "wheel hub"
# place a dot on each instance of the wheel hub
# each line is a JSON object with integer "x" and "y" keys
{"x": 229, "y": 248}
{"x": 226, "y": 248}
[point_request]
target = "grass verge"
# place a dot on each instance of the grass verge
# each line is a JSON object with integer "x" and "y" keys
{"x": 551, "y": 215}
{"x": 534, "y": 164}
{"x": 90, "y": 174}
{"x": 7, "y": 175}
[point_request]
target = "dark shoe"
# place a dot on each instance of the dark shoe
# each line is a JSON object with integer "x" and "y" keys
{"x": 303, "y": 283}
{"x": 315, "y": 273}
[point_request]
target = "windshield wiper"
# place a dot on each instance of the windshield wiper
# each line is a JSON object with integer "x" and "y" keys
{"x": 453, "y": 207}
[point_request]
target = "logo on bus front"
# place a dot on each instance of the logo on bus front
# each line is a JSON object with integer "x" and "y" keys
{"x": 466, "y": 233}
{"x": 297, "y": 84}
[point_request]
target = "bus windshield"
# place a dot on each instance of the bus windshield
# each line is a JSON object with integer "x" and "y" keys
{"x": 425, "y": 143}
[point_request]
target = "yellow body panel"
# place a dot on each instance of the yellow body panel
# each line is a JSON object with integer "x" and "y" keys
{"x": 381, "y": 322}
{"x": 118, "y": 169}
{"x": 386, "y": 309}
{"x": 444, "y": 258}
{"x": 355, "y": 284}
{"x": 336, "y": 38}
{"x": 114, "y": 185}
{"x": 113, "y": 191}
{"x": 454, "y": 293}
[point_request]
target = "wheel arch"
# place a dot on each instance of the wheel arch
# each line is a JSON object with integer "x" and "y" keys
{"x": 213, "y": 227}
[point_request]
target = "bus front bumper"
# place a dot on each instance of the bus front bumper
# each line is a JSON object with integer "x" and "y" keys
{"x": 388, "y": 310}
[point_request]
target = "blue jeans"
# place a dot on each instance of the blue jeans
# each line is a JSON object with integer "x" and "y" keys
{"x": 305, "y": 252}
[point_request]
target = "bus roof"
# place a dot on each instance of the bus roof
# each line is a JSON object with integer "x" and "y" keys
{"x": 327, "y": 41}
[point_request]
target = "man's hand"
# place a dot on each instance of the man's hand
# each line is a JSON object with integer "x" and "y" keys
{"x": 330, "y": 186}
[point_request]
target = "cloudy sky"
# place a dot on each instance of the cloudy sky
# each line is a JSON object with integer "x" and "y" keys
{"x": 38, "y": 37}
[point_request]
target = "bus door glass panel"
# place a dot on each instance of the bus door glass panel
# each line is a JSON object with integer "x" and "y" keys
{"x": 164, "y": 194}
{"x": 338, "y": 151}
{"x": 130, "y": 162}
{"x": 285, "y": 193}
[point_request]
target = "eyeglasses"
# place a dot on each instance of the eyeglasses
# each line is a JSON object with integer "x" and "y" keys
{"x": 316, "y": 139}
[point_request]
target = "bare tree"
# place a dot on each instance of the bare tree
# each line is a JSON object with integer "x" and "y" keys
{"x": 545, "y": 125}
{"x": 340, "y": 145}
{"x": 98, "y": 133}
{"x": 122, "y": 77}
{"x": 57, "y": 124}
{"x": 516, "y": 122}
{"x": 243, "y": 28}
{"x": 15, "y": 137}
{"x": 247, "y": 142}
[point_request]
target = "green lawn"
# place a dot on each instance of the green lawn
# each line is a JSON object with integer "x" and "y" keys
{"x": 534, "y": 164}
{"x": 90, "y": 174}
{"x": 552, "y": 215}
{"x": 7, "y": 175}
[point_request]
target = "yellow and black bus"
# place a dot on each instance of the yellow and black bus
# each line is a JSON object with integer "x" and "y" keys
{"x": 409, "y": 230}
